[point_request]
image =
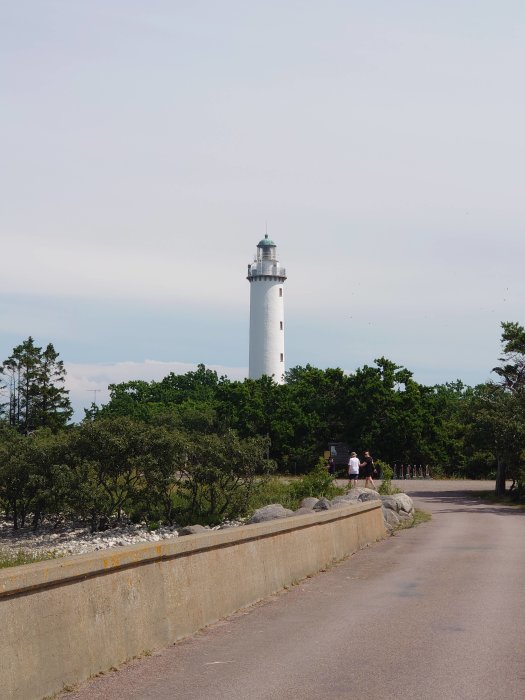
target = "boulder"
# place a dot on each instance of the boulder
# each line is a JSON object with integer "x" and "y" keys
{"x": 322, "y": 504}
{"x": 405, "y": 503}
{"x": 308, "y": 502}
{"x": 390, "y": 517}
{"x": 358, "y": 491}
{"x": 369, "y": 495}
{"x": 345, "y": 500}
{"x": 305, "y": 511}
{"x": 390, "y": 502}
{"x": 271, "y": 512}
{"x": 352, "y": 496}
{"x": 192, "y": 530}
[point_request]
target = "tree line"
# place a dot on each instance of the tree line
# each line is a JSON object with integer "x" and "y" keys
{"x": 103, "y": 469}
{"x": 197, "y": 446}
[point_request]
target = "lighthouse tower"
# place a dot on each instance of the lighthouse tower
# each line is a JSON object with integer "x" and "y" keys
{"x": 266, "y": 278}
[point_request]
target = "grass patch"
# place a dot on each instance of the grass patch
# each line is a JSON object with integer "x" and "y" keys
{"x": 273, "y": 490}
{"x": 420, "y": 516}
{"x": 9, "y": 558}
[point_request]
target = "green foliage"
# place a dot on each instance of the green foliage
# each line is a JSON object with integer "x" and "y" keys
{"x": 317, "y": 483}
{"x": 219, "y": 476}
{"x": 200, "y": 448}
{"x": 420, "y": 516}
{"x": 15, "y": 475}
{"x": 119, "y": 464}
{"x": 115, "y": 465}
{"x": 512, "y": 373}
{"x": 387, "y": 473}
{"x": 33, "y": 380}
{"x": 32, "y": 477}
{"x": 494, "y": 417}
{"x": 9, "y": 558}
{"x": 290, "y": 492}
{"x": 379, "y": 408}
{"x": 273, "y": 490}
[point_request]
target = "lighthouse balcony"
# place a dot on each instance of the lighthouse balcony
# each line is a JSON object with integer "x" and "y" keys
{"x": 264, "y": 269}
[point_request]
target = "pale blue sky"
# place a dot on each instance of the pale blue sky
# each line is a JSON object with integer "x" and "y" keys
{"x": 144, "y": 144}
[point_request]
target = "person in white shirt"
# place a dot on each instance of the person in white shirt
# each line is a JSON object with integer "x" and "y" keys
{"x": 353, "y": 470}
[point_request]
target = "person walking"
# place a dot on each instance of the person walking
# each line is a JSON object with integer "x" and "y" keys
{"x": 367, "y": 466}
{"x": 353, "y": 470}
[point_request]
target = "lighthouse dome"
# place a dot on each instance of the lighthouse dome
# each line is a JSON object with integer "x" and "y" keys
{"x": 266, "y": 243}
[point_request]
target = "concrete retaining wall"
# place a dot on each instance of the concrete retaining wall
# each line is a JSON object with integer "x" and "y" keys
{"x": 65, "y": 620}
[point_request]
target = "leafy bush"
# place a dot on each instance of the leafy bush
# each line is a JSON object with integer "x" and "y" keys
{"x": 113, "y": 466}
{"x": 272, "y": 490}
{"x": 117, "y": 463}
{"x": 219, "y": 476}
{"x": 317, "y": 483}
{"x": 387, "y": 473}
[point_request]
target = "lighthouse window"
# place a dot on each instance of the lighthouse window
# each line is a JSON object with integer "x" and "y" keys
{"x": 282, "y": 357}
{"x": 280, "y": 291}
{"x": 281, "y": 325}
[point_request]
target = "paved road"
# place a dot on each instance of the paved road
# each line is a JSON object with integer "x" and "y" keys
{"x": 436, "y": 612}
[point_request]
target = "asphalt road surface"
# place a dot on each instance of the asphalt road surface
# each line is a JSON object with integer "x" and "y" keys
{"x": 432, "y": 613}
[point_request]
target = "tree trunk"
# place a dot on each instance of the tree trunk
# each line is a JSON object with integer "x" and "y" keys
{"x": 500, "y": 477}
{"x": 36, "y": 519}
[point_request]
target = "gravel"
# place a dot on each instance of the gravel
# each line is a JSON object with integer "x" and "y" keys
{"x": 67, "y": 538}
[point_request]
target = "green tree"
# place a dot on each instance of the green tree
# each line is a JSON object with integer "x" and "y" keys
{"x": 381, "y": 408}
{"x": 109, "y": 460}
{"x": 495, "y": 415}
{"x": 512, "y": 373}
{"x": 495, "y": 431}
{"x": 35, "y": 379}
{"x": 219, "y": 476}
{"x": 15, "y": 475}
{"x": 509, "y": 414}
{"x": 312, "y": 413}
{"x": 444, "y": 429}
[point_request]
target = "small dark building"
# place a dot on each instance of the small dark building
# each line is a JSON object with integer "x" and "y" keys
{"x": 340, "y": 453}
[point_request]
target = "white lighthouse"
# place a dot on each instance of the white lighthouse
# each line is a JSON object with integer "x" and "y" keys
{"x": 266, "y": 279}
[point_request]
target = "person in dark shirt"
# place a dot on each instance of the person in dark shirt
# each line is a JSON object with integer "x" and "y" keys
{"x": 367, "y": 469}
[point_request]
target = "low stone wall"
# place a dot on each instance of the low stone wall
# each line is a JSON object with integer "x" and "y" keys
{"x": 68, "y": 619}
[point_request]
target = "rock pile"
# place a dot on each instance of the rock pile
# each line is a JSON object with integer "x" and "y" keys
{"x": 396, "y": 509}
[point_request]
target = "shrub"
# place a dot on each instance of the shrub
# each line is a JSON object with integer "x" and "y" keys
{"x": 272, "y": 490}
{"x": 317, "y": 483}
{"x": 219, "y": 477}
{"x": 387, "y": 473}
